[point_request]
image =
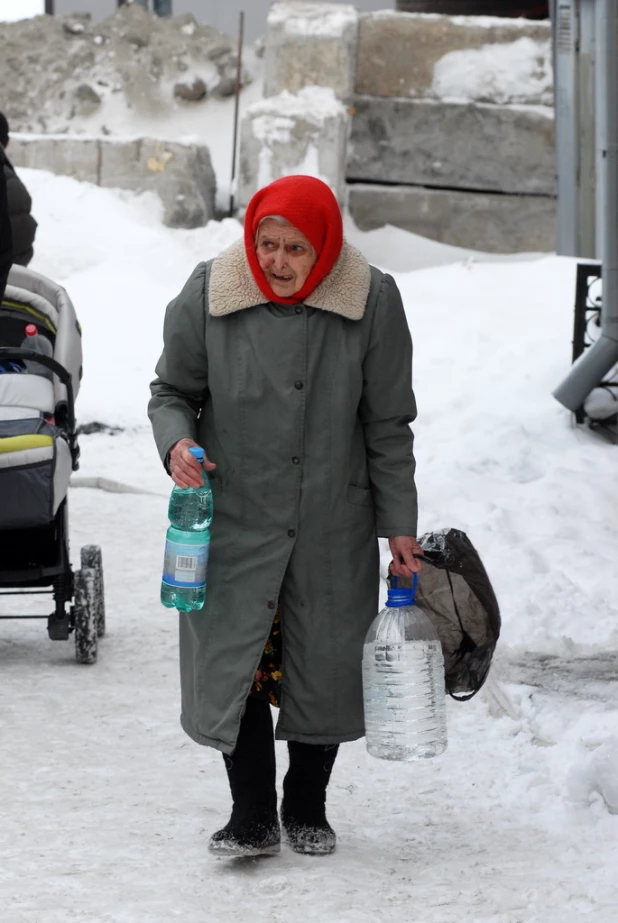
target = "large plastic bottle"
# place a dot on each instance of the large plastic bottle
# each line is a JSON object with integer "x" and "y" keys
{"x": 187, "y": 545}
{"x": 40, "y": 344}
{"x": 403, "y": 682}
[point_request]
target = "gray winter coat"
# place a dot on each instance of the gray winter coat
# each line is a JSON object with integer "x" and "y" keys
{"x": 306, "y": 410}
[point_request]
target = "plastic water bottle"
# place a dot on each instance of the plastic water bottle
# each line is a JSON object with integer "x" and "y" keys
{"x": 403, "y": 682}
{"x": 187, "y": 545}
{"x": 40, "y": 344}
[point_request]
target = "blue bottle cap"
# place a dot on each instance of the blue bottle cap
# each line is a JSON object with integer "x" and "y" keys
{"x": 197, "y": 452}
{"x": 401, "y": 596}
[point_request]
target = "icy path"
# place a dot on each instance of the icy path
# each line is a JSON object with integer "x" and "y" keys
{"x": 107, "y": 806}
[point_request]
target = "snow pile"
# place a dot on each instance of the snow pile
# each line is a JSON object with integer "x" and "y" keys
{"x": 315, "y": 104}
{"x": 312, "y": 20}
{"x": 594, "y": 780}
{"x": 500, "y": 73}
{"x": 66, "y": 73}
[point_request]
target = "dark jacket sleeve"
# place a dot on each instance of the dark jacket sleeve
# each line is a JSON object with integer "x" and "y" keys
{"x": 6, "y": 239}
{"x": 180, "y": 388}
{"x": 386, "y": 410}
{"x": 23, "y": 225}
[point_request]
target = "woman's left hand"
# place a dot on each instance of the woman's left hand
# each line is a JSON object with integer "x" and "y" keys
{"x": 403, "y": 548}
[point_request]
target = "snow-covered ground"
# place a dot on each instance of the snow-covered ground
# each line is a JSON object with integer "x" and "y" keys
{"x": 107, "y": 806}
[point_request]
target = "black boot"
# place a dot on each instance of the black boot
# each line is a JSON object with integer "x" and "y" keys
{"x": 253, "y": 829}
{"x": 303, "y": 809}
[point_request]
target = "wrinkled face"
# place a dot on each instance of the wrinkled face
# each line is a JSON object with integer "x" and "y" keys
{"x": 285, "y": 256}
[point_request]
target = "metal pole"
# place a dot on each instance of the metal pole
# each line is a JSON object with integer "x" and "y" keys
{"x": 49, "y": 7}
{"x": 241, "y": 32}
{"x": 587, "y": 131}
{"x": 565, "y": 31}
{"x": 589, "y": 371}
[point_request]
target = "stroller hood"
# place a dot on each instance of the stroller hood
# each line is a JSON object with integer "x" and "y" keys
{"x": 47, "y": 302}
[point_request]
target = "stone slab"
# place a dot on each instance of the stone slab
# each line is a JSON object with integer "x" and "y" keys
{"x": 461, "y": 146}
{"x": 287, "y": 134}
{"x": 478, "y": 221}
{"x": 399, "y": 54}
{"x": 58, "y": 155}
{"x": 181, "y": 175}
{"x": 310, "y": 44}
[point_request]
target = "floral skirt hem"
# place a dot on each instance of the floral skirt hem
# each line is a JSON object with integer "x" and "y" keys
{"x": 267, "y": 682}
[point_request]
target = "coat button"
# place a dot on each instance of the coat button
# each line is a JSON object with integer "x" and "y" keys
{"x": 292, "y": 533}
{"x": 298, "y": 309}
{"x": 271, "y": 604}
{"x": 298, "y": 385}
{"x": 296, "y": 460}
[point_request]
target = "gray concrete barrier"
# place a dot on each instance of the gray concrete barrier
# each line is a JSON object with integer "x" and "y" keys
{"x": 181, "y": 175}
{"x": 311, "y": 44}
{"x": 455, "y": 145}
{"x": 401, "y": 54}
{"x": 478, "y": 221}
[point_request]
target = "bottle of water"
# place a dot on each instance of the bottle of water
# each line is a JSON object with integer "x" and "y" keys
{"x": 187, "y": 545}
{"x": 403, "y": 682}
{"x": 40, "y": 344}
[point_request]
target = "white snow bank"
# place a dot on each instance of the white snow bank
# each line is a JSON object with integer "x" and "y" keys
{"x": 502, "y": 73}
{"x": 397, "y": 250}
{"x": 594, "y": 780}
{"x": 306, "y": 20}
{"x": 316, "y": 104}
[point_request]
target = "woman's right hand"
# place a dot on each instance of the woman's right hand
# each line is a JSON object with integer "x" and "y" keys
{"x": 185, "y": 470}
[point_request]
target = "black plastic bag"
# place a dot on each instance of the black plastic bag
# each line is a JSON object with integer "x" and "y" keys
{"x": 455, "y": 592}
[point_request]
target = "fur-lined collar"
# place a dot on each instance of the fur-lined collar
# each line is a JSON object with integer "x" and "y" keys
{"x": 344, "y": 290}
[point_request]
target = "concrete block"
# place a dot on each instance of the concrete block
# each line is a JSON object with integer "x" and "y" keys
{"x": 485, "y": 59}
{"x": 58, "y": 154}
{"x": 461, "y": 146}
{"x": 310, "y": 44}
{"x": 478, "y": 221}
{"x": 182, "y": 175}
{"x": 286, "y": 134}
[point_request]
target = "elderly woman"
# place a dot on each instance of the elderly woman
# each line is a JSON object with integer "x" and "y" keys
{"x": 288, "y": 358}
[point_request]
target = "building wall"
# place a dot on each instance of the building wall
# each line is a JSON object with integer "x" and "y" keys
{"x": 221, "y": 14}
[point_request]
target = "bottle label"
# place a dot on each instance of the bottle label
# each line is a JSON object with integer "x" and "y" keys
{"x": 185, "y": 565}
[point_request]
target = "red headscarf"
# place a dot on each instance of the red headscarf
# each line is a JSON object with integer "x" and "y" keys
{"x": 308, "y": 204}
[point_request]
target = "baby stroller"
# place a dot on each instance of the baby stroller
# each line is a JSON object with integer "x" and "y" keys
{"x": 38, "y": 451}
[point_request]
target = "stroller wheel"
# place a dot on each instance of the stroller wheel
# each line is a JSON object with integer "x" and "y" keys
{"x": 84, "y": 616}
{"x": 91, "y": 557}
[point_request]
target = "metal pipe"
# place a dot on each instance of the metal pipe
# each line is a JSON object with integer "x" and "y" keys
{"x": 589, "y": 371}
{"x": 241, "y": 35}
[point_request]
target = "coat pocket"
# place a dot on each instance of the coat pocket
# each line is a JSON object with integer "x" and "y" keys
{"x": 359, "y": 496}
